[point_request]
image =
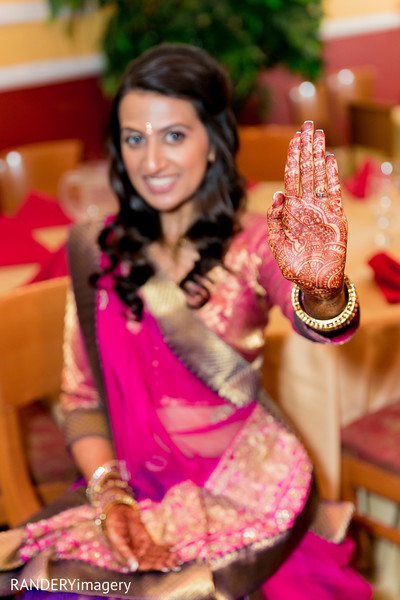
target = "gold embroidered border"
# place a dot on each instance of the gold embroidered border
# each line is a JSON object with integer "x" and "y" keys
{"x": 199, "y": 348}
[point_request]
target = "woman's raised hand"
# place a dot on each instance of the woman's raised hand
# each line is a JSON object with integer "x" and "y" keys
{"x": 307, "y": 229}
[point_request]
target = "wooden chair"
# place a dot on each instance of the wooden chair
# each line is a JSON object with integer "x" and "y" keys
{"x": 35, "y": 166}
{"x": 31, "y": 340}
{"x": 375, "y": 125}
{"x": 343, "y": 87}
{"x": 263, "y": 150}
{"x": 371, "y": 460}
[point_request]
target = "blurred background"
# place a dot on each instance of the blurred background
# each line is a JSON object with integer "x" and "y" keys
{"x": 332, "y": 61}
{"x": 60, "y": 59}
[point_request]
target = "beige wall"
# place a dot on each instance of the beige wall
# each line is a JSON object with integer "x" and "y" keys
{"x": 28, "y": 39}
{"x": 41, "y": 39}
{"x": 336, "y": 9}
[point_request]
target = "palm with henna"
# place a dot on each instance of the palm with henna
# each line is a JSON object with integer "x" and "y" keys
{"x": 307, "y": 228}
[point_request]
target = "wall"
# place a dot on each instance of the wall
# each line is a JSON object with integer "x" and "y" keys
{"x": 49, "y": 77}
{"x": 355, "y": 33}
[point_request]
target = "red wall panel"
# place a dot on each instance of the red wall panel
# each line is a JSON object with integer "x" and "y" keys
{"x": 70, "y": 109}
{"x": 77, "y": 108}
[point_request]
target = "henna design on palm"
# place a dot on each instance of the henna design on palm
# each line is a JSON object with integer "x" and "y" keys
{"x": 307, "y": 226}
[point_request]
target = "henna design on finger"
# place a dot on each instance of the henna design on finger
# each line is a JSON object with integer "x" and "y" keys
{"x": 306, "y": 159}
{"x": 320, "y": 182}
{"x": 292, "y": 170}
{"x": 335, "y": 195}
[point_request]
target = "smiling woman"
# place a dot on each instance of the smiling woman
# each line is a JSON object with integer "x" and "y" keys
{"x": 196, "y": 484}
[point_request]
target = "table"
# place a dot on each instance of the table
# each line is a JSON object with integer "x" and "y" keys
{"x": 323, "y": 387}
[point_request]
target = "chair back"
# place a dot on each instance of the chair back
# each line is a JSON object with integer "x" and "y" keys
{"x": 31, "y": 350}
{"x": 263, "y": 151}
{"x": 375, "y": 125}
{"x": 35, "y": 166}
{"x": 308, "y": 102}
{"x": 343, "y": 87}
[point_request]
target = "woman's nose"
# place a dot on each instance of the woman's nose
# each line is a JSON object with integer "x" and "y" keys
{"x": 154, "y": 158}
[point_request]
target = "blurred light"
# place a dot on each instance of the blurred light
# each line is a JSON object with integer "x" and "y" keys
{"x": 346, "y": 77}
{"x": 387, "y": 168}
{"x": 385, "y": 202}
{"x": 307, "y": 89}
{"x": 13, "y": 159}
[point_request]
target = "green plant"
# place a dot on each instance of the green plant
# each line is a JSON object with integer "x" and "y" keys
{"x": 245, "y": 35}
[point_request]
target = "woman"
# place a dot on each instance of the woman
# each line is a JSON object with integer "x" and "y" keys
{"x": 195, "y": 489}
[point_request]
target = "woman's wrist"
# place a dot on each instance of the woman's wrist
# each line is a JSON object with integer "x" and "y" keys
{"x": 108, "y": 486}
{"x": 331, "y": 315}
{"x": 323, "y": 308}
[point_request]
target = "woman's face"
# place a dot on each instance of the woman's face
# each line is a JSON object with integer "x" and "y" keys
{"x": 164, "y": 147}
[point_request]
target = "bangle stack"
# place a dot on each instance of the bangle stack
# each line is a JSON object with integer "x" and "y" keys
{"x": 324, "y": 325}
{"x": 107, "y": 487}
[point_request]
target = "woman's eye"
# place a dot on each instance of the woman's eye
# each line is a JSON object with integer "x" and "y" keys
{"x": 175, "y": 136}
{"x": 133, "y": 139}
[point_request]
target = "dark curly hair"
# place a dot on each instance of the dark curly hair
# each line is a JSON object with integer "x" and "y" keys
{"x": 187, "y": 72}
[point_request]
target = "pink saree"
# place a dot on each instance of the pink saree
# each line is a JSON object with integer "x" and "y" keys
{"x": 218, "y": 473}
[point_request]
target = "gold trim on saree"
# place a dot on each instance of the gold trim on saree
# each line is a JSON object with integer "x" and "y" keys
{"x": 205, "y": 354}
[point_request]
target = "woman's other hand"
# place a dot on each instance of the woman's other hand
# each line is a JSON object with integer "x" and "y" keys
{"x": 307, "y": 227}
{"x": 132, "y": 544}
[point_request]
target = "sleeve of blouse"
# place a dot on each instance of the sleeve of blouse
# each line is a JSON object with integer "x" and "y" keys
{"x": 278, "y": 291}
{"x": 81, "y": 410}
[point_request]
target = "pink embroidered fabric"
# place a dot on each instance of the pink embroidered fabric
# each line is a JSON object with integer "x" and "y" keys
{"x": 210, "y": 477}
{"x": 236, "y": 506}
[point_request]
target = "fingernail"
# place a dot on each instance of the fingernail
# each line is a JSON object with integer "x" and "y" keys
{"x": 176, "y": 569}
{"x": 133, "y": 565}
{"x": 165, "y": 570}
{"x": 277, "y": 199}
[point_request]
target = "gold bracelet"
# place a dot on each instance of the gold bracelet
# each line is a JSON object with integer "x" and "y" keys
{"x": 343, "y": 319}
{"x": 100, "y": 520}
{"x": 113, "y": 469}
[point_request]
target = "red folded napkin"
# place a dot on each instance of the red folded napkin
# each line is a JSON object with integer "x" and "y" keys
{"x": 359, "y": 184}
{"x": 387, "y": 275}
{"x": 56, "y": 265}
{"x": 17, "y": 246}
{"x": 41, "y": 210}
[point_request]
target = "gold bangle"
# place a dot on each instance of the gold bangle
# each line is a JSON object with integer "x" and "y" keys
{"x": 343, "y": 319}
{"x": 100, "y": 520}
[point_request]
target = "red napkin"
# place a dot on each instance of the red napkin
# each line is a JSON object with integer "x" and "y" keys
{"x": 358, "y": 185}
{"x": 41, "y": 210}
{"x": 55, "y": 266}
{"x": 17, "y": 246}
{"x": 387, "y": 275}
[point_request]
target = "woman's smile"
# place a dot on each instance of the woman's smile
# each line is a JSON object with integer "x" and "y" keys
{"x": 160, "y": 184}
